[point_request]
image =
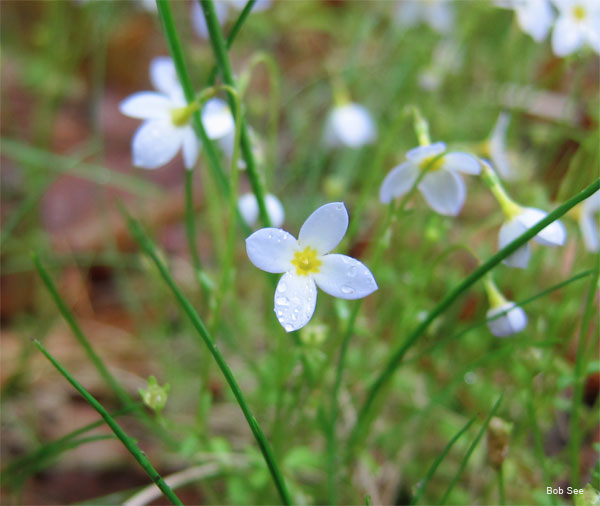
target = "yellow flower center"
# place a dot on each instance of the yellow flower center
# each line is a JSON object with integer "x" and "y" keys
{"x": 579, "y": 12}
{"x": 182, "y": 115}
{"x": 306, "y": 261}
{"x": 432, "y": 163}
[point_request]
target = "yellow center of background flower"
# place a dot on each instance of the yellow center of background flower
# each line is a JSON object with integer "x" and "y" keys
{"x": 431, "y": 163}
{"x": 306, "y": 261}
{"x": 579, "y": 12}
{"x": 182, "y": 115}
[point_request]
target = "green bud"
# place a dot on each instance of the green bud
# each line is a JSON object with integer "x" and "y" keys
{"x": 154, "y": 396}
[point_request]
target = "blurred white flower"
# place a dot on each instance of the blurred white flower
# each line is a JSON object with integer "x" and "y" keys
{"x": 588, "y": 223}
{"x": 223, "y": 10}
{"x": 167, "y": 127}
{"x": 504, "y": 317}
{"x": 350, "y": 125}
{"x": 436, "y": 13}
{"x": 307, "y": 265}
{"x": 578, "y": 24}
{"x": 534, "y": 17}
{"x": 248, "y": 207}
{"x": 447, "y": 59}
{"x": 522, "y": 219}
{"x": 496, "y": 147}
{"x": 442, "y": 186}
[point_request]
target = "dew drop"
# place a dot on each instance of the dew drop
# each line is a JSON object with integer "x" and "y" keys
{"x": 282, "y": 287}
{"x": 280, "y": 313}
{"x": 339, "y": 207}
{"x": 347, "y": 289}
{"x": 352, "y": 271}
{"x": 288, "y": 328}
{"x": 269, "y": 236}
{"x": 282, "y": 301}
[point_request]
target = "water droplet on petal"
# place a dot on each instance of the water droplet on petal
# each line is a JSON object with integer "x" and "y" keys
{"x": 269, "y": 236}
{"x": 347, "y": 289}
{"x": 282, "y": 287}
{"x": 282, "y": 301}
{"x": 352, "y": 271}
{"x": 288, "y": 328}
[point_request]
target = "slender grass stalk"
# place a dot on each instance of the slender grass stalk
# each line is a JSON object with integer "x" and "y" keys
{"x": 235, "y": 29}
{"x": 575, "y": 435}
{"x": 467, "y": 456}
{"x": 150, "y": 250}
{"x": 127, "y": 441}
{"x": 110, "y": 380}
{"x": 431, "y": 471}
{"x": 366, "y": 413}
{"x": 220, "y": 50}
{"x": 501, "y": 492}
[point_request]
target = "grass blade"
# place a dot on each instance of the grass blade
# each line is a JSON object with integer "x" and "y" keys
{"x": 128, "y": 442}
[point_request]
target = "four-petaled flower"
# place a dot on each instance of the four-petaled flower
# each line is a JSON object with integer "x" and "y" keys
{"x": 307, "y": 264}
{"x": 521, "y": 219}
{"x": 167, "y": 116}
{"x": 443, "y": 188}
{"x": 350, "y": 125}
{"x": 578, "y": 24}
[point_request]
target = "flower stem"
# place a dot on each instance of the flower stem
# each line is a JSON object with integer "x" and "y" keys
{"x": 150, "y": 250}
{"x": 127, "y": 441}
{"x": 366, "y": 413}
{"x": 220, "y": 50}
{"x": 501, "y": 493}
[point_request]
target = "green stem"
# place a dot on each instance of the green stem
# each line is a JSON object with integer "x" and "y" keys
{"x": 423, "y": 483}
{"x": 365, "y": 414}
{"x": 232, "y": 35}
{"x": 471, "y": 449}
{"x": 149, "y": 248}
{"x": 501, "y": 494}
{"x": 128, "y": 442}
{"x": 76, "y": 329}
{"x": 578, "y": 378}
{"x": 220, "y": 50}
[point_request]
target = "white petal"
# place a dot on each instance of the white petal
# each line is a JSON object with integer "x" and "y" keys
{"x": 164, "y": 76}
{"x": 191, "y": 147}
{"x": 508, "y": 233}
{"x": 461, "y": 162}
{"x": 444, "y": 191}
{"x": 146, "y": 105}
{"x": 324, "y": 228}
{"x": 198, "y": 21}
{"x": 535, "y": 18}
{"x": 589, "y": 230}
{"x": 259, "y": 5}
{"x": 217, "y": 119}
{"x": 350, "y": 125}
{"x": 515, "y": 320}
{"x": 248, "y": 207}
{"x": 344, "y": 277}
{"x": 398, "y": 181}
{"x": 420, "y": 153}
{"x": 566, "y": 37}
{"x": 295, "y": 301}
{"x": 155, "y": 143}
{"x": 498, "y": 147}
{"x": 271, "y": 249}
{"x": 553, "y": 235}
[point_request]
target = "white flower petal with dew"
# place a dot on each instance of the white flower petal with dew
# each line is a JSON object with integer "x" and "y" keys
{"x": 324, "y": 228}
{"x": 398, "y": 182}
{"x": 191, "y": 147}
{"x": 588, "y": 223}
{"x": 509, "y": 231}
{"x": 307, "y": 265}
{"x": 248, "y": 207}
{"x": 444, "y": 191}
{"x": 146, "y": 105}
{"x": 344, "y": 277}
{"x": 350, "y": 125}
{"x": 217, "y": 119}
{"x": 271, "y": 249}
{"x": 461, "y": 162}
{"x": 513, "y": 321}
{"x": 295, "y": 301}
{"x": 155, "y": 143}
{"x": 553, "y": 235}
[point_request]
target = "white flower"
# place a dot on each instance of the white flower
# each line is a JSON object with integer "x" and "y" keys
{"x": 307, "y": 265}
{"x": 248, "y": 207}
{"x": 167, "y": 116}
{"x": 496, "y": 147}
{"x": 534, "y": 17}
{"x": 588, "y": 223}
{"x": 436, "y": 13}
{"x": 523, "y": 218}
{"x": 223, "y": 12}
{"x": 578, "y": 24}
{"x": 512, "y": 321}
{"x": 350, "y": 125}
{"x": 443, "y": 188}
